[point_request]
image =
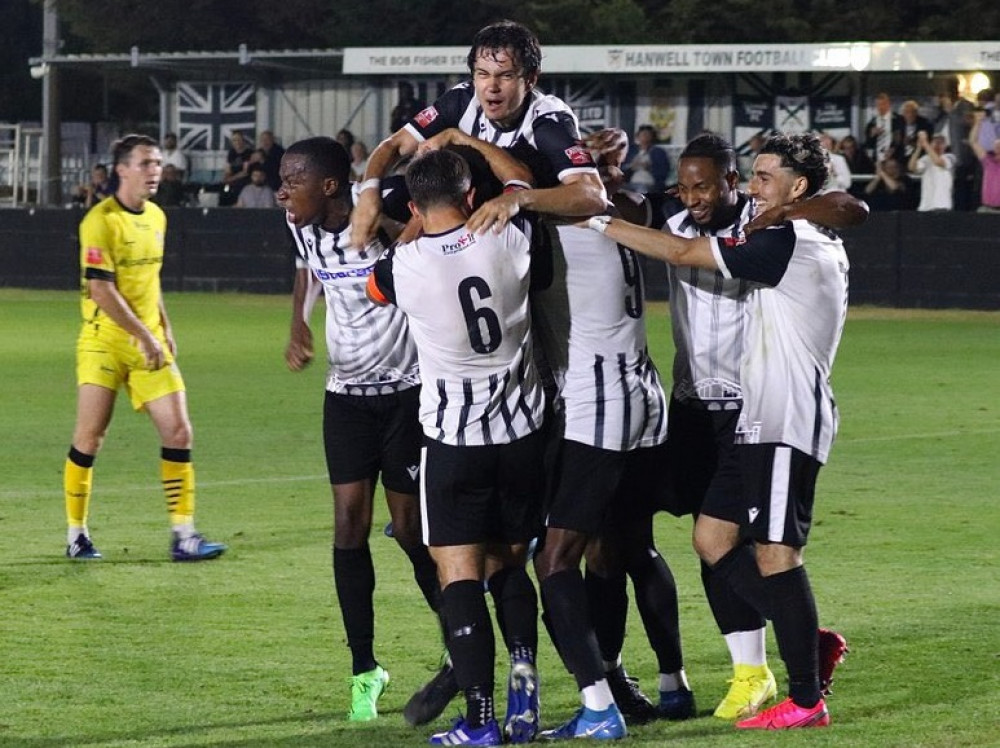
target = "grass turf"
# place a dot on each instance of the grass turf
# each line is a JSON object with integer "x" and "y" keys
{"x": 249, "y": 650}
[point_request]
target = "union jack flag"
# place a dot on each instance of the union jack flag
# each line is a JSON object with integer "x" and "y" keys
{"x": 208, "y": 113}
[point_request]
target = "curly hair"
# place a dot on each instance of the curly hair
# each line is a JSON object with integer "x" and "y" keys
{"x": 510, "y": 36}
{"x": 804, "y": 155}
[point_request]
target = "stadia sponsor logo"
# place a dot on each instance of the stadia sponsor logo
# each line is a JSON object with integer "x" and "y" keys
{"x": 324, "y": 275}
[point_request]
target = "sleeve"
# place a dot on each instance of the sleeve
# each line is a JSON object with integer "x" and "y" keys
{"x": 762, "y": 258}
{"x": 381, "y": 287}
{"x": 542, "y": 265}
{"x": 96, "y": 253}
{"x": 556, "y": 138}
{"x": 444, "y": 113}
{"x": 395, "y": 198}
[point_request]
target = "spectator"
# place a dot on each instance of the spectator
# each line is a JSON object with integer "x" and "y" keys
{"x": 990, "y": 161}
{"x": 174, "y": 156}
{"x": 930, "y": 159}
{"x": 257, "y": 194}
{"x": 171, "y": 191}
{"x": 272, "y": 153}
{"x": 406, "y": 108}
{"x": 235, "y": 175}
{"x": 858, "y": 161}
{"x": 891, "y": 189}
{"x": 955, "y": 123}
{"x": 913, "y": 124}
{"x": 840, "y": 172}
{"x": 346, "y": 138}
{"x": 646, "y": 165}
{"x": 359, "y": 160}
{"x": 989, "y": 130}
{"x": 884, "y": 131}
{"x": 99, "y": 187}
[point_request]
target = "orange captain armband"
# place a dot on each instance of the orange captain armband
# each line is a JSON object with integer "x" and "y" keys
{"x": 374, "y": 293}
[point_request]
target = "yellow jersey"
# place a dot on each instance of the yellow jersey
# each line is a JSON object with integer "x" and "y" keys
{"x": 126, "y": 247}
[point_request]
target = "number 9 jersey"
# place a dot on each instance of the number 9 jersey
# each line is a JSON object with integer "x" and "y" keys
{"x": 466, "y": 298}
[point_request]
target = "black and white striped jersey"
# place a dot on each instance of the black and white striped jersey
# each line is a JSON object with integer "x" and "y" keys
{"x": 466, "y": 298}
{"x": 591, "y": 328}
{"x": 369, "y": 348}
{"x": 547, "y": 138}
{"x": 795, "y": 317}
{"x": 708, "y": 318}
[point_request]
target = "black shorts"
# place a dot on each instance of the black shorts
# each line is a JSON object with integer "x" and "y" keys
{"x": 591, "y": 488}
{"x": 779, "y": 484}
{"x": 368, "y": 435}
{"x": 704, "y": 468}
{"x": 482, "y": 494}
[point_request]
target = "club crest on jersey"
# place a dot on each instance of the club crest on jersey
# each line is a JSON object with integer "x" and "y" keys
{"x": 579, "y": 155}
{"x": 94, "y": 256}
{"x": 427, "y": 116}
{"x": 464, "y": 242}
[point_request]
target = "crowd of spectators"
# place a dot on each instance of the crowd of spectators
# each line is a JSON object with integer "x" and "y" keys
{"x": 903, "y": 160}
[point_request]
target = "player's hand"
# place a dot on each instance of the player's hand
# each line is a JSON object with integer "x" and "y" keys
{"x": 495, "y": 213}
{"x": 299, "y": 353}
{"x": 152, "y": 351}
{"x": 365, "y": 216}
{"x": 770, "y": 217}
{"x": 441, "y": 140}
{"x": 612, "y": 178}
{"x": 610, "y": 146}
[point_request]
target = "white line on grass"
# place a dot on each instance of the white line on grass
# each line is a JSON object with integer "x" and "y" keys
{"x": 151, "y": 486}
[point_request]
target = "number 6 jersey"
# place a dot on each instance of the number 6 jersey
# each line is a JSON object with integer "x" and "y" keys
{"x": 465, "y": 296}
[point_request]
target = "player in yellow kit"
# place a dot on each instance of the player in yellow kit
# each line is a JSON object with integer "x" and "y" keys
{"x": 126, "y": 341}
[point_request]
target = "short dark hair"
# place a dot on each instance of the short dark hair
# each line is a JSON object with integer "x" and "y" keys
{"x": 508, "y": 35}
{"x": 122, "y": 149}
{"x": 803, "y": 154}
{"x": 324, "y": 156}
{"x": 714, "y": 147}
{"x": 438, "y": 178}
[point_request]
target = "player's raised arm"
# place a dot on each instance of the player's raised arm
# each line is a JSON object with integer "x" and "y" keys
{"x": 365, "y": 217}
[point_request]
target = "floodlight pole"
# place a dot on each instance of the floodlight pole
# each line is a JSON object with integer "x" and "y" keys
{"x": 51, "y": 155}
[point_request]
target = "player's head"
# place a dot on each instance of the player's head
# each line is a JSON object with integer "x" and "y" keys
{"x": 707, "y": 181}
{"x": 313, "y": 172}
{"x": 504, "y": 61}
{"x": 438, "y": 179}
{"x": 788, "y": 168}
{"x": 139, "y": 165}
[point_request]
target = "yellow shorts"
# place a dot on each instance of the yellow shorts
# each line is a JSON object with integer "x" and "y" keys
{"x": 113, "y": 361}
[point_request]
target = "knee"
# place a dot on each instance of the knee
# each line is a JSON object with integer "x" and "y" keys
{"x": 351, "y": 522}
{"x": 406, "y": 527}
{"x": 179, "y": 436}
{"x": 563, "y": 550}
{"x": 710, "y": 546}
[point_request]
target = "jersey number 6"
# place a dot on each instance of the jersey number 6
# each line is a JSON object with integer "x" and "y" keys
{"x": 478, "y": 318}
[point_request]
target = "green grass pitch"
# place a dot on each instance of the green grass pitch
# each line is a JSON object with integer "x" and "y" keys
{"x": 249, "y": 650}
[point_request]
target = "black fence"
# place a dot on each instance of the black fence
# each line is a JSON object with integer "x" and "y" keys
{"x": 934, "y": 260}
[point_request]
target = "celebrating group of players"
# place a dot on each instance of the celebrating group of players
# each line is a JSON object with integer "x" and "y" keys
{"x": 488, "y": 362}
